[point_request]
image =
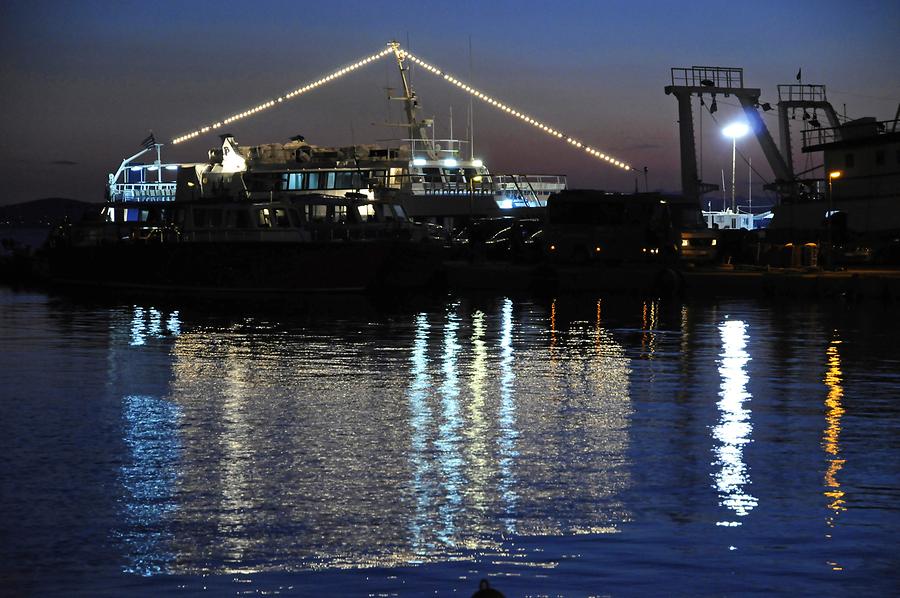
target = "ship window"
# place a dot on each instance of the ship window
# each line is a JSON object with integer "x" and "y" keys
{"x": 200, "y": 218}
{"x": 340, "y": 214}
{"x": 432, "y": 175}
{"x": 330, "y": 183}
{"x": 295, "y": 217}
{"x": 849, "y": 160}
{"x": 242, "y": 219}
{"x": 316, "y": 212}
{"x": 344, "y": 180}
{"x": 385, "y": 212}
{"x": 264, "y": 218}
{"x": 879, "y": 157}
{"x": 295, "y": 181}
{"x": 398, "y": 210}
{"x": 366, "y": 212}
{"x": 312, "y": 180}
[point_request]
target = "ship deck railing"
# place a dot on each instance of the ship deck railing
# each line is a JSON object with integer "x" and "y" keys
{"x": 814, "y": 138}
{"x": 490, "y": 184}
{"x": 149, "y": 192}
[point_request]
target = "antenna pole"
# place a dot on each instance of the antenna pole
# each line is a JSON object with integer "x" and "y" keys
{"x": 416, "y": 130}
{"x": 724, "y": 198}
{"x": 750, "y": 184}
{"x": 471, "y": 111}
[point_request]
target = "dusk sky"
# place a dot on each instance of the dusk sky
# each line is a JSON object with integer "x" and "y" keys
{"x": 84, "y": 82}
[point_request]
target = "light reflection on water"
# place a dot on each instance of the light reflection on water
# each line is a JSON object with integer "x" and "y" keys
{"x": 566, "y": 438}
{"x": 734, "y": 427}
{"x": 149, "y": 479}
{"x": 447, "y": 471}
{"x": 831, "y": 435}
{"x": 507, "y": 419}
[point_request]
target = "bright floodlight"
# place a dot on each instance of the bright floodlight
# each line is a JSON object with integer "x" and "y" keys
{"x": 735, "y": 130}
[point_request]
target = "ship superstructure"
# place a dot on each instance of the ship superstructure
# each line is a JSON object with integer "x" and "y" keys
{"x": 852, "y": 192}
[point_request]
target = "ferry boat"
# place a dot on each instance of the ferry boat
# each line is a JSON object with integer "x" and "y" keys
{"x": 431, "y": 178}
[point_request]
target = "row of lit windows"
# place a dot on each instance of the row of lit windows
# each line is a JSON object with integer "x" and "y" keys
{"x": 341, "y": 179}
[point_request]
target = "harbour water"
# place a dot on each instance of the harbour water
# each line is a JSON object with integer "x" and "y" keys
{"x": 565, "y": 446}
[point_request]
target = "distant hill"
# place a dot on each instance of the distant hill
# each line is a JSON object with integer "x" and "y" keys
{"x": 49, "y": 211}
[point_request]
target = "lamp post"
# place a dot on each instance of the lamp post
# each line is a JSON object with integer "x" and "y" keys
{"x": 734, "y": 130}
{"x": 834, "y": 174}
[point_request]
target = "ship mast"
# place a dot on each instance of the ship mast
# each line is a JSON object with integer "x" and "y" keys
{"x": 417, "y": 128}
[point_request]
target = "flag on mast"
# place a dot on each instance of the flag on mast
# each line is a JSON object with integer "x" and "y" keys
{"x": 149, "y": 141}
{"x": 799, "y": 73}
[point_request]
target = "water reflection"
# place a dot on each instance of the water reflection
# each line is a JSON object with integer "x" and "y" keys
{"x": 342, "y": 445}
{"x": 150, "y": 432}
{"x": 238, "y": 444}
{"x": 149, "y": 476}
{"x": 449, "y": 458}
{"x": 649, "y": 324}
{"x": 202, "y": 444}
{"x": 478, "y": 457}
{"x": 507, "y": 417}
{"x": 831, "y": 434}
{"x": 734, "y": 427}
{"x": 147, "y": 323}
{"x": 420, "y": 415}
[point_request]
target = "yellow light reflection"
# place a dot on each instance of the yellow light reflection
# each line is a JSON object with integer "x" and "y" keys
{"x": 831, "y": 434}
{"x": 734, "y": 428}
{"x": 553, "y": 339}
{"x": 649, "y": 324}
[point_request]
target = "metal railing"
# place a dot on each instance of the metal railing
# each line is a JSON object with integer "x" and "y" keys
{"x": 801, "y": 93}
{"x": 536, "y": 184}
{"x": 821, "y": 136}
{"x": 142, "y": 192}
{"x": 708, "y": 76}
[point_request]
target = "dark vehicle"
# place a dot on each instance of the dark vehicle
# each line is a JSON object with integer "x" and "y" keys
{"x": 509, "y": 243}
{"x": 609, "y": 228}
{"x": 698, "y": 243}
{"x": 470, "y": 241}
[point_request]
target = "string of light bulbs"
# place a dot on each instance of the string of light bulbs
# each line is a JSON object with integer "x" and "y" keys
{"x": 280, "y": 99}
{"x": 394, "y": 48}
{"x": 512, "y": 111}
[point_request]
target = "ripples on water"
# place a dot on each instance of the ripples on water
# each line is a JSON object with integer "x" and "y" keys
{"x": 563, "y": 446}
